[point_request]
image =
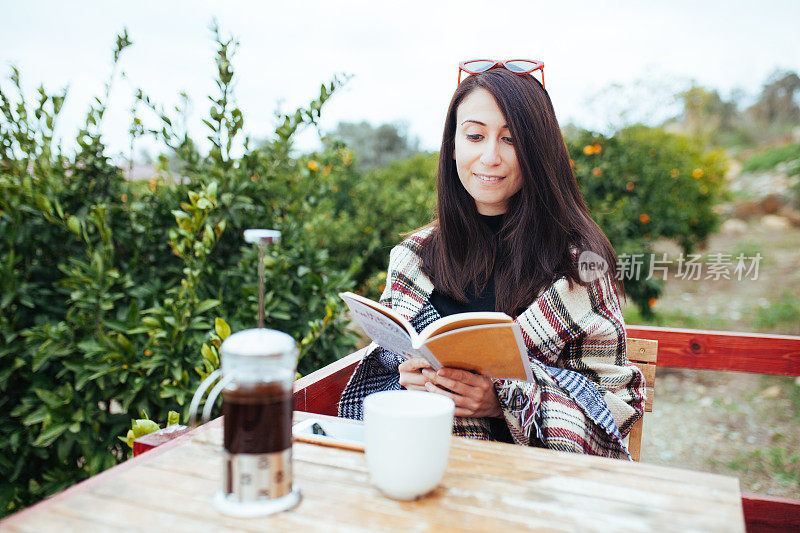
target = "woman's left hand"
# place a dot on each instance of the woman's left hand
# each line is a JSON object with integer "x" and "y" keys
{"x": 473, "y": 394}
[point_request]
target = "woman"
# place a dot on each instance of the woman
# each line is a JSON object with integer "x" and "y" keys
{"x": 511, "y": 225}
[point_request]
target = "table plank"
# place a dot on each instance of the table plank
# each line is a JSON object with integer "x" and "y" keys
{"x": 487, "y": 486}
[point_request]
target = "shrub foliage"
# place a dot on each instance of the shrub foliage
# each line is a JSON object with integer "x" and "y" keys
{"x": 645, "y": 184}
{"x": 116, "y": 294}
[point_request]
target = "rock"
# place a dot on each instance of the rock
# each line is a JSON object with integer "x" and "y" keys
{"x": 791, "y": 214}
{"x": 762, "y": 184}
{"x": 775, "y": 222}
{"x": 771, "y": 203}
{"x": 771, "y": 392}
{"x": 734, "y": 226}
{"x": 746, "y": 209}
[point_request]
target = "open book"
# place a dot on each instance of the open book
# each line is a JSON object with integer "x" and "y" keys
{"x": 488, "y": 343}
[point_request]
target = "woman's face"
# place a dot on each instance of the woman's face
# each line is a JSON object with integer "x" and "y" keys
{"x": 484, "y": 152}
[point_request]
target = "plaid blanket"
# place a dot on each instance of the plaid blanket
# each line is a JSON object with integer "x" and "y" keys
{"x": 586, "y": 394}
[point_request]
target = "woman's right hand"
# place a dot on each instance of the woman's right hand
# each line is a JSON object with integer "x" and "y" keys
{"x": 411, "y": 373}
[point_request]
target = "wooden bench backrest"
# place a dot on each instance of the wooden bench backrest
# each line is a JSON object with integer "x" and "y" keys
{"x": 319, "y": 392}
{"x": 644, "y": 354}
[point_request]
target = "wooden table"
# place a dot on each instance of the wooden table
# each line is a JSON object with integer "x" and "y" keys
{"x": 487, "y": 487}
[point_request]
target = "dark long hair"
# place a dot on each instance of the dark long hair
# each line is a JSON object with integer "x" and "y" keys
{"x": 545, "y": 221}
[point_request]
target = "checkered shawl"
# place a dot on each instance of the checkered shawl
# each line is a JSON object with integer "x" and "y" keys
{"x": 586, "y": 395}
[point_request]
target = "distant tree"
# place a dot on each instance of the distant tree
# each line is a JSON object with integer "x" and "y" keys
{"x": 704, "y": 110}
{"x": 719, "y": 122}
{"x": 375, "y": 146}
{"x": 778, "y": 104}
{"x": 706, "y": 115}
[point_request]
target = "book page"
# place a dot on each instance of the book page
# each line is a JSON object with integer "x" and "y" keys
{"x": 381, "y": 328}
{"x": 379, "y": 308}
{"x": 463, "y": 320}
{"x": 494, "y": 350}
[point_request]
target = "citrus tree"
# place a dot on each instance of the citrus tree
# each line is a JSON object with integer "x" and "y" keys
{"x": 644, "y": 184}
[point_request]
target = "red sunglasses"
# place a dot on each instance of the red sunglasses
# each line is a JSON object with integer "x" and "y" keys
{"x": 517, "y": 66}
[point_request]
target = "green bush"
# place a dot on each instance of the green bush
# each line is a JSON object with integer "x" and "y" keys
{"x": 644, "y": 184}
{"x": 772, "y": 157}
{"x": 113, "y": 292}
{"x": 386, "y": 202}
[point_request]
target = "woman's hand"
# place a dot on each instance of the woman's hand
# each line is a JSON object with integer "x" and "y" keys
{"x": 411, "y": 373}
{"x": 473, "y": 394}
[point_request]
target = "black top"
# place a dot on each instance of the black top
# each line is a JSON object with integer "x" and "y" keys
{"x": 483, "y": 301}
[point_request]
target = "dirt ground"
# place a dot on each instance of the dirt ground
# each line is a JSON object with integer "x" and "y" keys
{"x": 732, "y": 423}
{"x": 729, "y": 423}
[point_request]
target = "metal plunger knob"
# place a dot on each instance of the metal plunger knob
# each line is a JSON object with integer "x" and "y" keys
{"x": 261, "y": 237}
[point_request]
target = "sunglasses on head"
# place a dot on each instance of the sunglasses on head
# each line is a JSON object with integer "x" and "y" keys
{"x": 517, "y": 66}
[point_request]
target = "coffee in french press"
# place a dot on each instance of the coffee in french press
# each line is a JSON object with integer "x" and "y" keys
{"x": 256, "y": 379}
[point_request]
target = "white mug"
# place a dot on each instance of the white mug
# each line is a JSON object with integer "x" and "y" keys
{"x": 407, "y": 441}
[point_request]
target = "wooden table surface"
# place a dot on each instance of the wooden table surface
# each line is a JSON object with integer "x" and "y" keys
{"x": 487, "y": 487}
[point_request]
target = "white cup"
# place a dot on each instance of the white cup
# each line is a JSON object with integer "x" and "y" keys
{"x": 407, "y": 441}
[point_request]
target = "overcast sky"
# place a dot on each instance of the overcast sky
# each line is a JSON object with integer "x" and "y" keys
{"x": 403, "y": 55}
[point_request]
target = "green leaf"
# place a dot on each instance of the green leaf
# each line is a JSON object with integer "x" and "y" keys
{"x": 200, "y": 324}
{"x": 173, "y": 418}
{"x": 115, "y": 325}
{"x": 128, "y": 439}
{"x": 74, "y": 224}
{"x": 35, "y": 417}
{"x": 91, "y": 346}
{"x": 209, "y": 355}
{"x": 124, "y": 344}
{"x": 49, "y": 435}
{"x": 205, "y": 305}
{"x": 44, "y": 203}
{"x": 143, "y": 427}
{"x": 50, "y": 398}
{"x": 40, "y": 358}
{"x": 181, "y": 215}
{"x": 59, "y": 210}
{"x": 150, "y": 321}
{"x": 222, "y": 328}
